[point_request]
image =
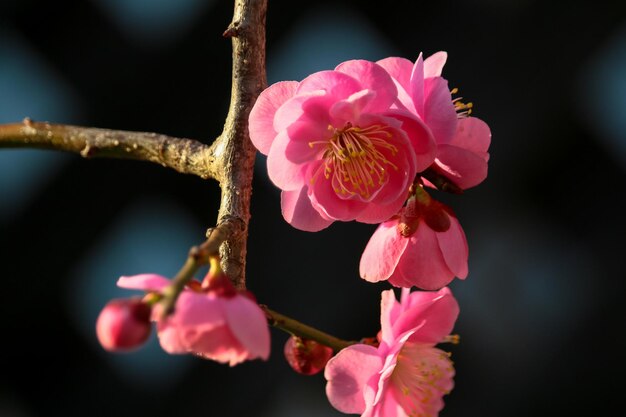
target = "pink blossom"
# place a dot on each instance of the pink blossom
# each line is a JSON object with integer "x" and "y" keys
{"x": 424, "y": 246}
{"x": 462, "y": 141}
{"x": 123, "y": 324}
{"x": 336, "y": 149}
{"x": 406, "y": 375}
{"x": 215, "y": 323}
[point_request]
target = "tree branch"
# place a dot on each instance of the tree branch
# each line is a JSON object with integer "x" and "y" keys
{"x": 187, "y": 156}
{"x": 233, "y": 151}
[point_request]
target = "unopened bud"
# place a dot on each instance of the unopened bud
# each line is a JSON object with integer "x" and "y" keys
{"x": 306, "y": 357}
{"x": 123, "y": 324}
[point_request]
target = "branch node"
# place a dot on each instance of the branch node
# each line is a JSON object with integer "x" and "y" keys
{"x": 232, "y": 31}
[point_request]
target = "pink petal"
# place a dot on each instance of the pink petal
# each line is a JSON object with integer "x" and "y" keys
{"x": 198, "y": 310}
{"x": 326, "y": 201}
{"x": 422, "y": 263}
{"x": 348, "y": 373}
{"x": 314, "y": 103}
{"x": 437, "y": 311}
{"x": 351, "y": 108}
{"x": 439, "y": 112}
{"x": 463, "y": 167}
{"x": 454, "y": 248}
{"x": 383, "y": 252}
{"x": 472, "y": 134}
{"x": 169, "y": 339}
{"x": 390, "y": 310}
{"x": 145, "y": 282}
{"x": 298, "y": 211}
{"x": 433, "y": 65}
{"x": 400, "y": 69}
{"x": 261, "y": 120}
{"x": 284, "y": 173}
{"x": 336, "y": 84}
{"x": 420, "y": 137}
{"x": 376, "y": 213}
{"x": 249, "y": 325}
{"x": 373, "y": 77}
{"x": 219, "y": 345}
{"x": 417, "y": 86}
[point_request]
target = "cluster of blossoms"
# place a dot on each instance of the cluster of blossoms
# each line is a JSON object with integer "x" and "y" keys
{"x": 212, "y": 319}
{"x": 363, "y": 142}
{"x": 366, "y": 141}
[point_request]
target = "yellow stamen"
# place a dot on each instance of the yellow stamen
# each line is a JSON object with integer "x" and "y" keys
{"x": 354, "y": 159}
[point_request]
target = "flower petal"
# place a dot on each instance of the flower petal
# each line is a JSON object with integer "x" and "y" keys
{"x": 376, "y": 213}
{"x": 453, "y": 246}
{"x": 473, "y": 134}
{"x": 350, "y": 109}
{"x": 420, "y": 137}
{"x": 400, "y": 69}
{"x": 433, "y": 65}
{"x": 347, "y": 374}
{"x": 437, "y": 311}
{"x": 383, "y": 252}
{"x": 314, "y": 103}
{"x": 417, "y": 86}
{"x": 249, "y": 325}
{"x": 169, "y": 339}
{"x": 284, "y": 173}
{"x": 422, "y": 263}
{"x": 145, "y": 282}
{"x": 373, "y": 77}
{"x": 326, "y": 201}
{"x": 298, "y": 211}
{"x": 439, "y": 112}
{"x": 336, "y": 84}
{"x": 261, "y": 120}
{"x": 464, "y": 168}
{"x": 390, "y": 310}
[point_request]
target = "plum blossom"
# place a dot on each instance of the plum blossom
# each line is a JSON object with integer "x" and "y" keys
{"x": 336, "y": 149}
{"x": 462, "y": 141}
{"x": 424, "y": 246}
{"x": 406, "y": 375}
{"x": 213, "y": 321}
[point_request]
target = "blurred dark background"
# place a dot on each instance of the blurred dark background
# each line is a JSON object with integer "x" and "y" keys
{"x": 542, "y": 311}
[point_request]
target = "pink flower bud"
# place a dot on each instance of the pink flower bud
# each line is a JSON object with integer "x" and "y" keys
{"x": 123, "y": 324}
{"x": 306, "y": 357}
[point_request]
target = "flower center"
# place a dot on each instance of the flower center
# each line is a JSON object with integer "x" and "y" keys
{"x": 353, "y": 159}
{"x": 423, "y": 374}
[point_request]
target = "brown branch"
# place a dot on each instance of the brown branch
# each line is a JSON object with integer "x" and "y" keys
{"x": 183, "y": 155}
{"x": 233, "y": 151}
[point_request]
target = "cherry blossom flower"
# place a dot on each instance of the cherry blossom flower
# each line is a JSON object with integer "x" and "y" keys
{"x": 424, "y": 246}
{"x": 336, "y": 149}
{"x": 123, "y": 324}
{"x": 213, "y": 321}
{"x": 406, "y": 375}
{"x": 462, "y": 141}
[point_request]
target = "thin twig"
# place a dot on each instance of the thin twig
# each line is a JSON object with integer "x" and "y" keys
{"x": 297, "y": 328}
{"x": 198, "y": 256}
{"x": 187, "y": 156}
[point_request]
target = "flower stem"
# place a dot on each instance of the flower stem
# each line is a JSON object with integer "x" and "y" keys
{"x": 297, "y": 328}
{"x": 198, "y": 256}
